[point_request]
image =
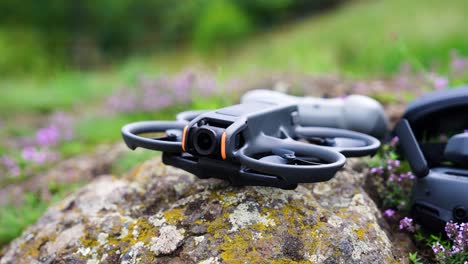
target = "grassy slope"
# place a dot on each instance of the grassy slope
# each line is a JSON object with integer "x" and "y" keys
{"x": 363, "y": 38}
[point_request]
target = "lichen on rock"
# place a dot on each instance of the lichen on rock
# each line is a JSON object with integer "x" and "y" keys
{"x": 159, "y": 214}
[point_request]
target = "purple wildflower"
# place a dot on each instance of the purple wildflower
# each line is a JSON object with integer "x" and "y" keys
{"x": 394, "y": 140}
{"x": 38, "y": 156}
{"x": 458, "y": 234}
{"x": 438, "y": 250}
{"x": 10, "y": 165}
{"x": 360, "y": 87}
{"x": 206, "y": 85}
{"x": 451, "y": 229}
{"x": 64, "y": 123}
{"x": 438, "y": 82}
{"x": 182, "y": 85}
{"x": 48, "y": 136}
{"x": 377, "y": 170}
{"x": 389, "y": 213}
{"x": 458, "y": 64}
{"x": 407, "y": 224}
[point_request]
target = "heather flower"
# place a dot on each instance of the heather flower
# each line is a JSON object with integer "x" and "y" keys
{"x": 181, "y": 86}
{"x": 10, "y": 165}
{"x": 438, "y": 250}
{"x": 38, "y": 156}
{"x": 64, "y": 123}
{"x": 122, "y": 101}
{"x": 377, "y": 170}
{"x": 407, "y": 224}
{"x": 458, "y": 64}
{"x": 360, "y": 87}
{"x": 48, "y": 136}
{"x": 438, "y": 82}
{"x": 206, "y": 85}
{"x": 394, "y": 140}
{"x": 389, "y": 213}
{"x": 458, "y": 234}
{"x": 451, "y": 229}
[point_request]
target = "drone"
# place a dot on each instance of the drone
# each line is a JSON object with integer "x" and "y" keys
{"x": 439, "y": 194}
{"x": 252, "y": 143}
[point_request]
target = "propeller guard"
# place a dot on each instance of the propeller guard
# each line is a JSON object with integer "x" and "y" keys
{"x": 233, "y": 144}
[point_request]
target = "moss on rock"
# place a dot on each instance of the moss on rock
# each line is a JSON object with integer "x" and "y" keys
{"x": 159, "y": 214}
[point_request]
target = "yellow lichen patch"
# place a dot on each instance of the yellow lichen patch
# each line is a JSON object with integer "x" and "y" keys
{"x": 313, "y": 238}
{"x": 271, "y": 214}
{"x": 135, "y": 172}
{"x": 227, "y": 199}
{"x": 138, "y": 231}
{"x": 174, "y": 215}
{"x": 259, "y": 227}
{"x": 240, "y": 249}
{"x": 359, "y": 233}
{"x": 216, "y": 225}
{"x": 32, "y": 248}
{"x": 289, "y": 261}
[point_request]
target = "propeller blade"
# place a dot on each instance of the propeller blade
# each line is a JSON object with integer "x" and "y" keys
{"x": 274, "y": 159}
{"x": 349, "y": 142}
{"x": 171, "y": 135}
{"x": 308, "y": 162}
{"x": 284, "y": 153}
{"x": 290, "y": 156}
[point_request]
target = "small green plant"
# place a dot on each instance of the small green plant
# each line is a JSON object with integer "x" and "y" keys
{"x": 414, "y": 258}
{"x": 395, "y": 177}
{"x": 17, "y": 216}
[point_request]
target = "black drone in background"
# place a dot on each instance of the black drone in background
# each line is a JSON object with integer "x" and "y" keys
{"x": 440, "y": 193}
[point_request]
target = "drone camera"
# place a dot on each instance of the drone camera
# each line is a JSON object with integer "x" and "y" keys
{"x": 459, "y": 213}
{"x": 206, "y": 140}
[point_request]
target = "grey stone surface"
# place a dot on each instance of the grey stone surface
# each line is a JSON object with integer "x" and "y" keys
{"x": 158, "y": 214}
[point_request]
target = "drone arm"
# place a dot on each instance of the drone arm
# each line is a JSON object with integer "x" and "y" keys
{"x": 131, "y": 132}
{"x": 370, "y": 146}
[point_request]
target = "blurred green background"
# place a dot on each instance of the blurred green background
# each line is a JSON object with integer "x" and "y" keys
{"x": 92, "y": 65}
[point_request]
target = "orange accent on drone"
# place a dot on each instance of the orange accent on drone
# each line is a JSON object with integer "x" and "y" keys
{"x": 223, "y": 146}
{"x": 184, "y": 135}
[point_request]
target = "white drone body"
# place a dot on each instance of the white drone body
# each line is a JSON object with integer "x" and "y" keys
{"x": 354, "y": 112}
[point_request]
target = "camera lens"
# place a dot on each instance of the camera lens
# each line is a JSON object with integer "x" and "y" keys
{"x": 205, "y": 141}
{"x": 459, "y": 213}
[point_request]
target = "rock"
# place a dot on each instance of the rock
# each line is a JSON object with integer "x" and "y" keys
{"x": 159, "y": 214}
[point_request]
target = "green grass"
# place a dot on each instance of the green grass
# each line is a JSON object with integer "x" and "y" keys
{"x": 16, "y": 217}
{"x": 65, "y": 89}
{"x": 364, "y": 38}
{"x": 130, "y": 159}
